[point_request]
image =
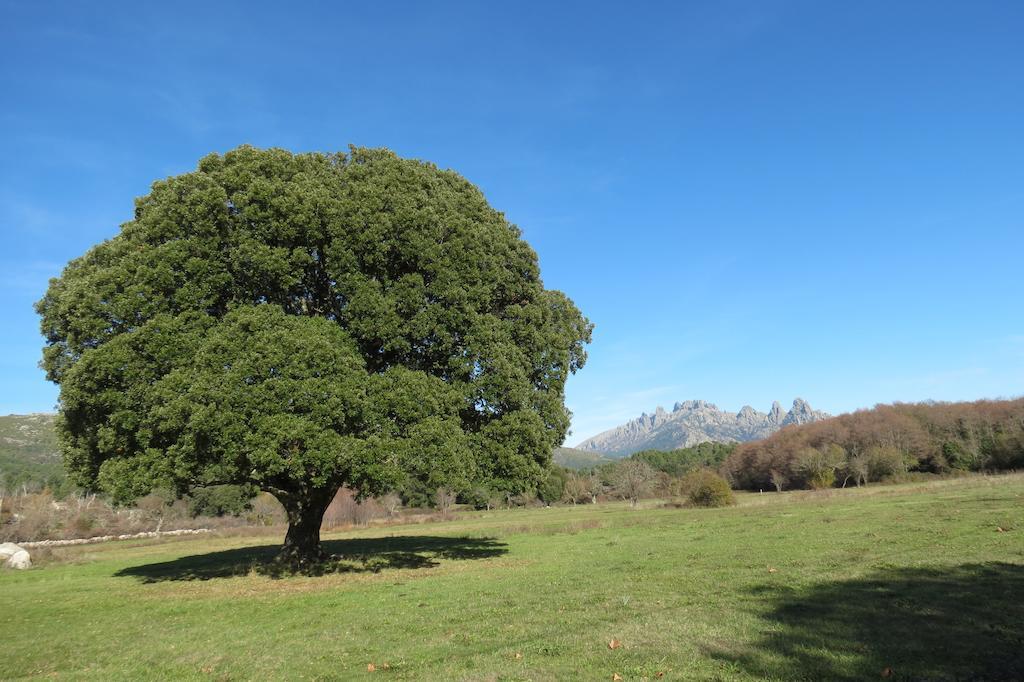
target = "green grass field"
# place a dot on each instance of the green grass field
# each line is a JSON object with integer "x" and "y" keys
{"x": 838, "y": 585}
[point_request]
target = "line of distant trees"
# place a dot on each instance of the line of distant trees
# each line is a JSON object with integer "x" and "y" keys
{"x": 889, "y": 442}
{"x": 884, "y": 443}
{"x": 685, "y": 475}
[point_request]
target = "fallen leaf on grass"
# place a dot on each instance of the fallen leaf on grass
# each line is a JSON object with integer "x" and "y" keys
{"x": 370, "y": 667}
{"x": 519, "y": 655}
{"x": 659, "y": 674}
{"x": 614, "y": 644}
{"x": 1000, "y": 529}
{"x": 772, "y": 569}
{"x": 616, "y": 677}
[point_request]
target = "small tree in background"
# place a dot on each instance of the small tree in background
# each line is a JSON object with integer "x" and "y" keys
{"x": 705, "y": 488}
{"x": 818, "y": 467}
{"x": 390, "y": 502}
{"x": 885, "y": 462}
{"x": 444, "y": 500}
{"x": 480, "y": 496}
{"x": 633, "y": 479}
{"x": 857, "y": 468}
{"x": 576, "y": 488}
{"x": 553, "y": 488}
{"x": 779, "y": 479}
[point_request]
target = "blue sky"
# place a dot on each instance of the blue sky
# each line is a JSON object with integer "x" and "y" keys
{"x": 752, "y": 200}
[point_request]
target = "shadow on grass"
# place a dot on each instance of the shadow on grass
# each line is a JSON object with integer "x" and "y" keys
{"x": 359, "y": 555}
{"x": 961, "y": 623}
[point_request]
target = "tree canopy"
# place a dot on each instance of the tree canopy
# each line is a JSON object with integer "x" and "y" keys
{"x": 299, "y": 322}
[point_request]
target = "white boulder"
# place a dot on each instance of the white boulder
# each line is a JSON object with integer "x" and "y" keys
{"x": 21, "y": 560}
{"x": 13, "y": 556}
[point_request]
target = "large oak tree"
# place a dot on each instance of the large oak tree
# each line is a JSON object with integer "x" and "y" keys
{"x": 300, "y": 322}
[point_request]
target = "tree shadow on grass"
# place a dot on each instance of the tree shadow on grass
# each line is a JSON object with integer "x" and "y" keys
{"x": 358, "y": 555}
{"x": 958, "y": 623}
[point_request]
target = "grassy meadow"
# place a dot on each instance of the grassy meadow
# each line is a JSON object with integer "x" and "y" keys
{"x": 915, "y": 581}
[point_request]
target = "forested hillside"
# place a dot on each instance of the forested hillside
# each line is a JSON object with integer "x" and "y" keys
{"x": 573, "y": 458}
{"x": 885, "y": 442}
{"x": 28, "y": 452}
{"x": 684, "y": 460}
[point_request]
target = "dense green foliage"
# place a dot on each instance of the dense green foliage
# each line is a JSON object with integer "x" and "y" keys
{"x": 552, "y": 489}
{"x": 221, "y": 500}
{"x": 300, "y": 322}
{"x": 797, "y": 586}
{"x": 885, "y": 442}
{"x": 684, "y": 460}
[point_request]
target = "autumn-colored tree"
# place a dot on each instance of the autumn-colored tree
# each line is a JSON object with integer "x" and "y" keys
{"x": 632, "y": 479}
{"x": 890, "y": 440}
{"x": 577, "y": 488}
{"x": 779, "y": 479}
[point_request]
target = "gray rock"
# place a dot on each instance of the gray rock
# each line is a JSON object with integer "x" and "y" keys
{"x": 13, "y": 556}
{"x": 20, "y": 560}
{"x": 697, "y": 421}
{"x": 802, "y": 414}
{"x": 7, "y": 550}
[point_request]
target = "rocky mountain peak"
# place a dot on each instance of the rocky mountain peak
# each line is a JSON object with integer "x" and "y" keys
{"x": 693, "y": 406}
{"x": 802, "y": 413}
{"x": 695, "y": 421}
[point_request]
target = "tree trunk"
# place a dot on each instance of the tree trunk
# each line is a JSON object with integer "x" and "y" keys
{"x": 305, "y": 514}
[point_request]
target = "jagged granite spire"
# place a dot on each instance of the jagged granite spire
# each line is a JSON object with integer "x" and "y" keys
{"x": 802, "y": 413}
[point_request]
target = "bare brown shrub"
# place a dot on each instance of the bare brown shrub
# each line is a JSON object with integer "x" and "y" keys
{"x": 346, "y": 510}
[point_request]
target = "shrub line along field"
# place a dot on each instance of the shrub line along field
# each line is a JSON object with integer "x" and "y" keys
{"x": 912, "y": 581}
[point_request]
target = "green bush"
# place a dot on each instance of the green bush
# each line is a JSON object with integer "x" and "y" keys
{"x": 705, "y": 488}
{"x": 221, "y": 500}
{"x": 553, "y": 487}
{"x": 823, "y": 478}
{"x": 885, "y": 463}
{"x": 818, "y": 467}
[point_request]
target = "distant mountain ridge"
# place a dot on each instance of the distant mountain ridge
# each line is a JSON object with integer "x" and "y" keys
{"x": 696, "y": 421}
